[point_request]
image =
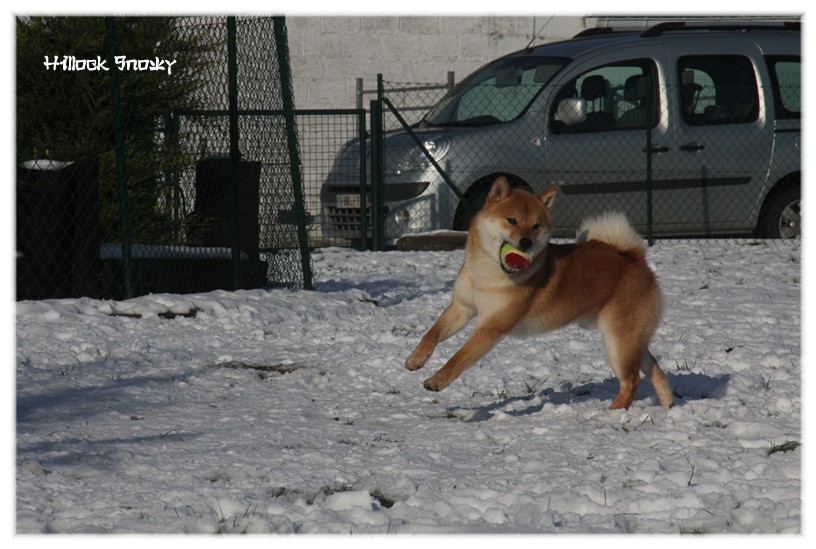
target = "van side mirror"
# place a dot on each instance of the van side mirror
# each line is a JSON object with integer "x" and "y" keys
{"x": 572, "y": 111}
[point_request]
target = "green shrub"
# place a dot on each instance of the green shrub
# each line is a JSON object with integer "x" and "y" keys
{"x": 67, "y": 115}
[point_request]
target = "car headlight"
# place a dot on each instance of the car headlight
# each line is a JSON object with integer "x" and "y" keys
{"x": 416, "y": 159}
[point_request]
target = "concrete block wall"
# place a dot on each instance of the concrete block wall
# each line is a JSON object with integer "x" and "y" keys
{"x": 328, "y": 53}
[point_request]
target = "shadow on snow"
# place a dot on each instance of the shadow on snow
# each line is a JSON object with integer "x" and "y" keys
{"x": 686, "y": 388}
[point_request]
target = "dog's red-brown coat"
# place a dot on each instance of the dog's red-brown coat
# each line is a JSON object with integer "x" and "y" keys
{"x": 597, "y": 281}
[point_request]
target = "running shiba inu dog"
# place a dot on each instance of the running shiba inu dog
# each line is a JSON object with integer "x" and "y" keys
{"x": 516, "y": 283}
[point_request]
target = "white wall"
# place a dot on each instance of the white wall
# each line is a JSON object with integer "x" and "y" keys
{"x": 328, "y": 54}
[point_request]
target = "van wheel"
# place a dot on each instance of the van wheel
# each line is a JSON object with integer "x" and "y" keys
{"x": 783, "y": 215}
{"x": 476, "y": 196}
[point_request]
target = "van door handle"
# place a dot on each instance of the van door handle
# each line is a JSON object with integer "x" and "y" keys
{"x": 692, "y": 147}
{"x": 656, "y": 149}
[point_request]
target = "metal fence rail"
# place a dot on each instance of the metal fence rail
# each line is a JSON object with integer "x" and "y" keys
{"x": 411, "y": 99}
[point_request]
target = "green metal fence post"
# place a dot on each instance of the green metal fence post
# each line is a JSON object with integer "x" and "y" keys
{"x": 174, "y": 196}
{"x": 378, "y": 190}
{"x": 377, "y": 176}
{"x": 282, "y": 50}
{"x": 649, "y": 121}
{"x": 119, "y": 145}
{"x": 235, "y": 152}
{"x": 361, "y": 131}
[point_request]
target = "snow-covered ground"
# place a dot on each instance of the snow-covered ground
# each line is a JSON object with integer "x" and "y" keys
{"x": 291, "y": 411}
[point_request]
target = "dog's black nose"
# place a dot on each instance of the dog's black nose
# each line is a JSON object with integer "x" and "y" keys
{"x": 525, "y": 244}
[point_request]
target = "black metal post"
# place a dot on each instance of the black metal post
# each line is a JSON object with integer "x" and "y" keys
{"x": 235, "y": 152}
{"x": 119, "y": 146}
{"x": 377, "y": 176}
{"x": 361, "y": 130}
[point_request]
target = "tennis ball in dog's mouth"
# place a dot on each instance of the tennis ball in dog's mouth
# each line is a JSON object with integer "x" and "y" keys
{"x": 512, "y": 259}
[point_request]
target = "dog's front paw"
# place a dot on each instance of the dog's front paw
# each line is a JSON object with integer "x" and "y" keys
{"x": 435, "y": 383}
{"x": 415, "y": 361}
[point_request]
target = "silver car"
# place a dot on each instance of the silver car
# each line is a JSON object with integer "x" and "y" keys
{"x": 696, "y": 127}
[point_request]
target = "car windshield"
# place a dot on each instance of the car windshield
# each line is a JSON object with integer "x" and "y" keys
{"x": 499, "y": 92}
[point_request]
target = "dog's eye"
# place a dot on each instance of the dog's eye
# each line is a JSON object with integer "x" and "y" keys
{"x": 512, "y": 220}
{"x": 536, "y": 227}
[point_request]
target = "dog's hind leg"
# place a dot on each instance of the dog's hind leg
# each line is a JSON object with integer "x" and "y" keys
{"x": 452, "y": 319}
{"x": 629, "y": 377}
{"x": 627, "y": 323}
{"x": 660, "y": 382}
{"x": 625, "y": 355}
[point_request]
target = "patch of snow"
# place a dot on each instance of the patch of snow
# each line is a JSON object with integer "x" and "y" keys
{"x": 286, "y": 411}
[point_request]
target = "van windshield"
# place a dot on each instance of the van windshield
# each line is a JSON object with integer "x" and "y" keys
{"x": 499, "y": 92}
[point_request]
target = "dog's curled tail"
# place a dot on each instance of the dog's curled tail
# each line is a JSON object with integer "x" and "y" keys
{"x": 613, "y": 228}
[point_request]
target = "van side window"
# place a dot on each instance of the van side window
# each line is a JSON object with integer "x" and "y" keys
{"x": 786, "y": 78}
{"x": 615, "y": 97}
{"x": 717, "y": 89}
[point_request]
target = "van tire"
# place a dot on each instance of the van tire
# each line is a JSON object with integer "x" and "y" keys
{"x": 476, "y": 196}
{"x": 782, "y": 214}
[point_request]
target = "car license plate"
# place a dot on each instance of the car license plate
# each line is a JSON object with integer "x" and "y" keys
{"x": 350, "y": 201}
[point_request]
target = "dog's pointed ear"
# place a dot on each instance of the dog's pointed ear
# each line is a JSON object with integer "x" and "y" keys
{"x": 548, "y": 197}
{"x": 499, "y": 190}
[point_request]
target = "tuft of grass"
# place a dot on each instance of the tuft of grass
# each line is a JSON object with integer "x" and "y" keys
{"x": 787, "y": 446}
{"x": 532, "y": 388}
{"x": 716, "y": 424}
{"x": 328, "y": 490}
{"x": 686, "y": 366}
{"x": 766, "y": 382}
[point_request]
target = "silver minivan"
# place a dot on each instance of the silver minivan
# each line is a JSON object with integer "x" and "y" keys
{"x": 694, "y": 126}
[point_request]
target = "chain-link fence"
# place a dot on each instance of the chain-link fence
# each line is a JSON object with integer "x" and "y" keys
{"x": 715, "y": 156}
{"x": 346, "y": 216}
{"x": 412, "y": 99}
{"x": 157, "y": 154}
{"x": 218, "y": 182}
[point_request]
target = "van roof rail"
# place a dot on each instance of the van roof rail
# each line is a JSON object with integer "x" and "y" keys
{"x": 594, "y": 31}
{"x": 660, "y": 28}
